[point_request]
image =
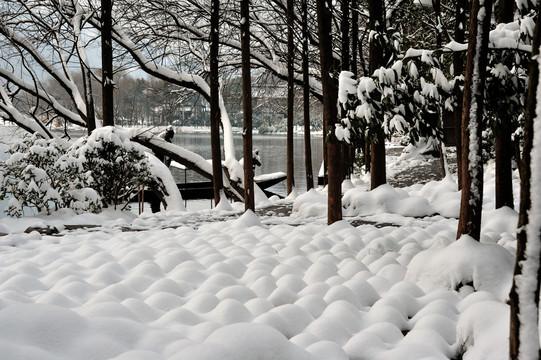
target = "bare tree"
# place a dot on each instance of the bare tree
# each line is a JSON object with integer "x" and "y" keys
{"x": 330, "y": 111}
{"x": 306, "y": 100}
{"x": 524, "y": 295}
{"x": 290, "y": 96}
{"x": 469, "y": 222}
{"x": 458, "y": 66}
{"x": 249, "y": 203}
{"x": 378, "y": 175}
{"x": 503, "y": 132}
{"x": 217, "y": 179}
{"x": 108, "y": 83}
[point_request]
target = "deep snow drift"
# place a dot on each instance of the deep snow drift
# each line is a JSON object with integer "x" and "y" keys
{"x": 195, "y": 286}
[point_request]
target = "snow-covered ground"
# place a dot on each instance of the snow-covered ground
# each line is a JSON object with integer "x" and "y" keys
{"x": 225, "y": 285}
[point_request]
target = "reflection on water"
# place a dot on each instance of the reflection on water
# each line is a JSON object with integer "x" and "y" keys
{"x": 272, "y": 150}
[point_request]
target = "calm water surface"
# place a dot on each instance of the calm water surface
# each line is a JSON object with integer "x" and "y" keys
{"x": 272, "y": 150}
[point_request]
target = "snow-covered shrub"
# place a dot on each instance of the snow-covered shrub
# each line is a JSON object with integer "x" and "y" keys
{"x": 399, "y": 100}
{"x": 101, "y": 170}
{"x": 110, "y": 163}
{"x": 32, "y": 178}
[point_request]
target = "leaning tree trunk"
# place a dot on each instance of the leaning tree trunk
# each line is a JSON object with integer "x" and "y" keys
{"x": 89, "y": 99}
{"x": 469, "y": 222}
{"x": 215, "y": 118}
{"x": 306, "y": 100}
{"x": 378, "y": 175}
{"x": 503, "y": 142}
{"x": 290, "y": 96}
{"x": 107, "y": 63}
{"x": 249, "y": 201}
{"x": 330, "y": 111}
{"x": 524, "y": 296}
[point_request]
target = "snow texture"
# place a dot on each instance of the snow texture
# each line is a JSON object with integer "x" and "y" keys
{"x": 186, "y": 286}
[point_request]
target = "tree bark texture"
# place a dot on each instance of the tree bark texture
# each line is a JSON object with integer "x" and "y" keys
{"x": 215, "y": 115}
{"x": 525, "y": 200}
{"x": 306, "y": 100}
{"x": 502, "y": 141}
{"x": 347, "y": 159}
{"x": 108, "y": 84}
{"x": 249, "y": 200}
{"x": 330, "y": 111}
{"x": 89, "y": 100}
{"x": 290, "y": 96}
{"x": 378, "y": 174}
{"x": 469, "y": 222}
{"x": 458, "y": 65}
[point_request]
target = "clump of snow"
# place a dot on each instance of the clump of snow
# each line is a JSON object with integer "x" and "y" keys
{"x": 310, "y": 204}
{"x": 385, "y": 199}
{"x": 465, "y": 262}
{"x": 479, "y": 324}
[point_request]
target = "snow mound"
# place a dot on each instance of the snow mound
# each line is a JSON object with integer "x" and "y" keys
{"x": 385, "y": 199}
{"x": 466, "y": 262}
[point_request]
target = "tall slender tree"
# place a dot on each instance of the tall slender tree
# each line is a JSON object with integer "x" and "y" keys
{"x": 290, "y": 95}
{"x": 378, "y": 175}
{"x": 330, "y": 111}
{"x": 306, "y": 99}
{"x": 249, "y": 201}
{"x": 469, "y": 222}
{"x": 524, "y": 296}
{"x": 108, "y": 84}
{"x": 215, "y": 115}
{"x": 347, "y": 162}
{"x": 502, "y": 141}
{"x": 458, "y": 66}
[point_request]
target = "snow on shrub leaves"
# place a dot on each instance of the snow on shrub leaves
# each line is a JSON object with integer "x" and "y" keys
{"x": 33, "y": 178}
{"x": 113, "y": 167}
{"x": 101, "y": 170}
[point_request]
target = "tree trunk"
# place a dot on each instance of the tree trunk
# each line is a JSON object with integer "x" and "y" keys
{"x": 215, "y": 117}
{"x": 347, "y": 161}
{"x": 330, "y": 111}
{"x": 503, "y": 142}
{"x": 436, "y": 5}
{"x": 354, "y": 37}
{"x": 290, "y": 97}
{"x": 89, "y": 100}
{"x": 108, "y": 84}
{"x": 249, "y": 201}
{"x": 378, "y": 175}
{"x": 306, "y": 100}
{"x": 469, "y": 222}
{"x": 458, "y": 65}
{"x": 517, "y": 302}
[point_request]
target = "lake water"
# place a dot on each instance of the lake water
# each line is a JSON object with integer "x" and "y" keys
{"x": 272, "y": 151}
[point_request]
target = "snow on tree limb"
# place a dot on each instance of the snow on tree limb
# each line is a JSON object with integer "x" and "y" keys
{"x": 183, "y": 156}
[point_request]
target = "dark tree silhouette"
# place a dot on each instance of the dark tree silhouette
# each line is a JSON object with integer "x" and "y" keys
{"x": 330, "y": 111}
{"x": 378, "y": 174}
{"x": 215, "y": 117}
{"x": 290, "y": 95}
{"x": 249, "y": 202}
{"x": 107, "y": 62}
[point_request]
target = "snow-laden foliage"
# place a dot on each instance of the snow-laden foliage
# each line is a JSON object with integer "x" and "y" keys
{"x": 400, "y": 100}
{"x": 101, "y": 170}
{"x": 112, "y": 165}
{"x": 33, "y": 177}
